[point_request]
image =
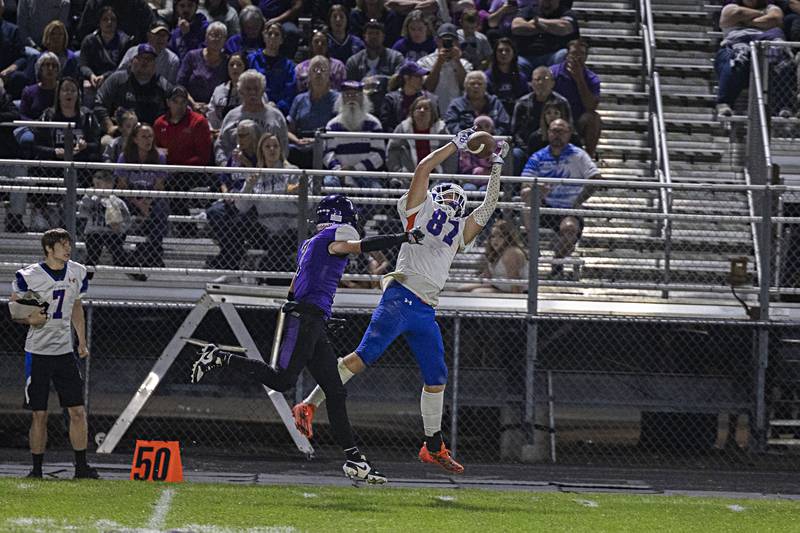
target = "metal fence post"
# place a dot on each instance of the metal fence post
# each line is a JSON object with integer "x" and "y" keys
{"x": 454, "y": 387}
{"x": 87, "y": 361}
{"x": 531, "y": 346}
{"x": 302, "y": 209}
{"x": 319, "y": 147}
{"x": 762, "y": 356}
{"x": 70, "y": 182}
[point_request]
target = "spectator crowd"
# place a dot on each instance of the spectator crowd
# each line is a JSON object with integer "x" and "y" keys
{"x": 238, "y": 83}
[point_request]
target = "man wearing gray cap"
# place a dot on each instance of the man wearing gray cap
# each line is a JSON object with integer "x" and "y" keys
{"x": 447, "y": 67}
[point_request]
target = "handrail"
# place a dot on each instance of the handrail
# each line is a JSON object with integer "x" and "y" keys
{"x": 760, "y": 104}
{"x": 591, "y": 213}
{"x": 388, "y": 136}
{"x": 660, "y": 150}
{"x": 664, "y": 175}
{"x": 633, "y": 184}
{"x": 682, "y": 287}
{"x": 753, "y": 228}
{"x": 38, "y": 124}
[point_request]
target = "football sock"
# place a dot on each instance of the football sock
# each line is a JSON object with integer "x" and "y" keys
{"x": 353, "y": 454}
{"x": 316, "y": 397}
{"x": 434, "y": 442}
{"x": 80, "y": 458}
{"x": 431, "y": 405}
{"x": 38, "y": 459}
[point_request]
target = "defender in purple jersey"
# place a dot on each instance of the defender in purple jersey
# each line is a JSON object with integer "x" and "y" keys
{"x": 321, "y": 261}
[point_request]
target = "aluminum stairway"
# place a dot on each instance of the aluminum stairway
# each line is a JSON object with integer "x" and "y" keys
{"x": 700, "y": 147}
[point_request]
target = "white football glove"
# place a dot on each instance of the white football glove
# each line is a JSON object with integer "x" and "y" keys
{"x": 460, "y": 139}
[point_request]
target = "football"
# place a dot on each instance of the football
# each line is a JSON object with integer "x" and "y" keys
{"x": 29, "y": 304}
{"x": 481, "y": 143}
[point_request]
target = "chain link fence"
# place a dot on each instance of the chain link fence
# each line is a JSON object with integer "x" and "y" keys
{"x": 567, "y": 383}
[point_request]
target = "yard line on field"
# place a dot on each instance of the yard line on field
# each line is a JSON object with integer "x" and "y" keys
{"x": 736, "y": 508}
{"x": 160, "y": 512}
{"x": 587, "y": 503}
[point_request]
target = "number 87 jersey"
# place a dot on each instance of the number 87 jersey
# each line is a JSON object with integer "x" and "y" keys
{"x": 60, "y": 289}
{"x": 424, "y": 268}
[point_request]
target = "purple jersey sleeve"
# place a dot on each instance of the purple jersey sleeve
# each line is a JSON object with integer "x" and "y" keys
{"x": 319, "y": 272}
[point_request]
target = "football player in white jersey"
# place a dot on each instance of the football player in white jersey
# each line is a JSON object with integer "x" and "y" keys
{"x": 411, "y": 292}
{"x": 57, "y": 285}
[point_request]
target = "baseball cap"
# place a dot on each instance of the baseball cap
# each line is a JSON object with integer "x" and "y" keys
{"x": 158, "y": 26}
{"x": 447, "y": 30}
{"x": 410, "y": 68}
{"x": 179, "y": 91}
{"x": 145, "y": 49}
{"x": 374, "y": 24}
{"x": 351, "y": 85}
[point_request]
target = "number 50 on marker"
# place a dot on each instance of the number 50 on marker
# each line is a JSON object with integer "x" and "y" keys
{"x": 155, "y": 460}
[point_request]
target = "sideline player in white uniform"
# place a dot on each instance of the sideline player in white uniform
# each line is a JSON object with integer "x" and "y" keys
{"x": 57, "y": 284}
{"x": 411, "y": 292}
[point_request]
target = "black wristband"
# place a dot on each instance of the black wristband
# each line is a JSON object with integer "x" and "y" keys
{"x": 382, "y": 242}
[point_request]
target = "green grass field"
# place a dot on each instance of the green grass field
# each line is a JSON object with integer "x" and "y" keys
{"x": 51, "y": 505}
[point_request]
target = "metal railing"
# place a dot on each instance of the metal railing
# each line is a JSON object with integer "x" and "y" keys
{"x": 657, "y": 133}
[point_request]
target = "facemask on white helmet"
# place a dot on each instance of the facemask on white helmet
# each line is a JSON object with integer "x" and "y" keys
{"x": 450, "y": 198}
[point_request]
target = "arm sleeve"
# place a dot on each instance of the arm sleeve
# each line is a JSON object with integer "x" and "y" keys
{"x": 451, "y": 118}
{"x": 329, "y": 160}
{"x": 346, "y": 232}
{"x": 83, "y": 60}
{"x": 185, "y": 70}
{"x": 19, "y": 286}
{"x": 377, "y": 154}
{"x": 483, "y": 212}
{"x": 588, "y": 168}
{"x": 103, "y": 101}
{"x": 502, "y": 122}
{"x": 201, "y": 139}
{"x": 531, "y": 169}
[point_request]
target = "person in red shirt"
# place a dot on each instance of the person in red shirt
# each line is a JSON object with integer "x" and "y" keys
{"x": 186, "y": 137}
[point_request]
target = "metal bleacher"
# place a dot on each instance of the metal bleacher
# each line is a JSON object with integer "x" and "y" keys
{"x": 701, "y": 150}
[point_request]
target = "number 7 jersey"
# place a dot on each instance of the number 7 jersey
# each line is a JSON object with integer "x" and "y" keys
{"x": 424, "y": 268}
{"x": 60, "y": 289}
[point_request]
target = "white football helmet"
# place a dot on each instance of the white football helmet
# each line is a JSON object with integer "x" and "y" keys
{"x": 450, "y": 198}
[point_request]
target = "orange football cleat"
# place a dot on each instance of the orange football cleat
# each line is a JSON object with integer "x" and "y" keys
{"x": 303, "y": 414}
{"x": 441, "y": 458}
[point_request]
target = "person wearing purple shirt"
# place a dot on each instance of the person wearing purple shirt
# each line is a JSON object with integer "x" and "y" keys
{"x": 190, "y": 31}
{"x": 319, "y": 47}
{"x": 304, "y": 340}
{"x": 501, "y": 13}
{"x": 341, "y": 43}
{"x": 541, "y": 33}
{"x": 141, "y": 148}
{"x": 251, "y": 22}
{"x": 276, "y": 68}
{"x": 203, "y": 69}
{"x": 417, "y": 37}
{"x": 367, "y": 10}
{"x": 284, "y": 12}
{"x": 581, "y": 87}
{"x": 504, "y": 79}
{"x": 41, "y": 95}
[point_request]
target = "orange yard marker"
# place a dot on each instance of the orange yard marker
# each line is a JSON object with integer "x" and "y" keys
{"x": 156, "y": 460}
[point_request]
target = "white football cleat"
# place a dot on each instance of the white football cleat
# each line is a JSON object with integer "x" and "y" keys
{"x": 210, "y": 358}
{"x": 363, "y": 471}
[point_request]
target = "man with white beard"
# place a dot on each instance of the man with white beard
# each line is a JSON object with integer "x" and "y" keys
{"x": 353, "y": 108}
